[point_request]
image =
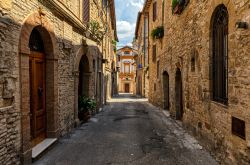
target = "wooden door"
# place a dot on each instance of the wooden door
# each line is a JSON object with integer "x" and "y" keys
{"x": 126, "y": 88}
{"x": 37, "y": 97}
{"x": 166, "y": 90}
{"x": 178, "y": 95}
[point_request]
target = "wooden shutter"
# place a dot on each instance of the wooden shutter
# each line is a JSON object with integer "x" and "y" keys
{"x": 154, "y": 53}
{"x": 86, "y": 10}
{"x": 154, "y": 11}
{"x": 158, "y": 69}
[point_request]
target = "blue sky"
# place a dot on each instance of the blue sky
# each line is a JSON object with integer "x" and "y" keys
{"x": 126, "y": 15}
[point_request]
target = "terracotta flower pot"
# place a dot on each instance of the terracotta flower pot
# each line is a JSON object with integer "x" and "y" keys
{"x": 176, "y": 9}
{"x": 84, "y": 116}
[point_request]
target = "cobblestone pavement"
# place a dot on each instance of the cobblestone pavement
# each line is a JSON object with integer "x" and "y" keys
{"x": 128, "y": 131}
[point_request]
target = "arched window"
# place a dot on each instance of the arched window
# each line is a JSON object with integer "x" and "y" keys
{"x": 36, "y": 42}
{"x": 219, "y": 56}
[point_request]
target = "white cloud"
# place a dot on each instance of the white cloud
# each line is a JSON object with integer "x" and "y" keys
{"x": 125, "y": 29}
{"x": 137, "y": 3}
{"x": 129, "y": 44}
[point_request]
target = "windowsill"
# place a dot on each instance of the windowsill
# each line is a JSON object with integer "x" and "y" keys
{"x": 219, "y": 104}
{"x": 238, "y": 137}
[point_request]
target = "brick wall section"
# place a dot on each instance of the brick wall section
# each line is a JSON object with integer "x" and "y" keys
{"x": 15, "y": 145}
{"x": 189, "y": 33}
{"x": 155, "y": 93}
{"x": 142, "y": 57}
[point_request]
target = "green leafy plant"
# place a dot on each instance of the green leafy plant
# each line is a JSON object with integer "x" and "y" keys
{"x": 174, "y": 4}
{"x": 85, "y": 104}
{"x": 97, "y": 30}
{"x": 158, "y": 32}
{"x": 114, "y": 43}
{"x": 178, "y": 6}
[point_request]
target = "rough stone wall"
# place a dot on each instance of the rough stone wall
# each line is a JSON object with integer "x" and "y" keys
{"x": 103, "y": 17}
{"x": 155, "y": 90}
{"x": 9, "y": 88}
{"x": 143, "y": 73}
{"x": 68, "y": 40}
{"x": 188, "y": 35}
{"x": 73, "y": 5}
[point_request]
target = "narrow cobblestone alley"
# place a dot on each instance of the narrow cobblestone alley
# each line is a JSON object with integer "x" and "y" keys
{"x": 128, "y": 131}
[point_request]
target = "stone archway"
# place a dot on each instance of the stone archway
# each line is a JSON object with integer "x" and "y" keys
{"x": 82, "y": 51}
{"x": 40, "y": 23}
{"x": 178, "y": 95}
{"x": 166, "y": 91}
{"x": 84, "y": 77}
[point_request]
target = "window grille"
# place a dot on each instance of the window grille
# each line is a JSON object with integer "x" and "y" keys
{"x": 219, "y": 63}
{"x": 238, "y": 128}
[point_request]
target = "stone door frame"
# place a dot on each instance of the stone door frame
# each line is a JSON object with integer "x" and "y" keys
{"x": 39, "y": 21}
{"x": 83, "y": 50}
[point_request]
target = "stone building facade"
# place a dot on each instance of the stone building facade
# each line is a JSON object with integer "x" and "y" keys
{"x": 141, "y": 42}
{"x": 50, "y": 54}
{"x": 127, "y": 65}
{"x": 199, "y": 70}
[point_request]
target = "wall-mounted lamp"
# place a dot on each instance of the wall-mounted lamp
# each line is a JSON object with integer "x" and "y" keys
{"x": 241, "y": 25}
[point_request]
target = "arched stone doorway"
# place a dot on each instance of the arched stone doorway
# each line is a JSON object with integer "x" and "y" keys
{"x": 38, "y": 83}
{"x": 166, "y": 91}
{"x": 37, "y": 88}
{"x": 178, "y": 95}
{"x": 84, "y": 77}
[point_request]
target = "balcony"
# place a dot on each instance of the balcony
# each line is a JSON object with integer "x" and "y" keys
{"x": 126, "y": 75}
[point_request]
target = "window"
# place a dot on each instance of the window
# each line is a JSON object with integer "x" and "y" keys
{"x": 36, "y": 42}
{"x": 158, "y": 69}
{"x": 86, "y": 10}
{"x": 104, "y": 3}
{"x": 154, "y": 53}
{"x": 193, "y": 64}
{"x": 154, "y": 11}
{"x": 238, "y": 128}
{"x": 126, "y": 52}
{"x": 127, "y": 69}
{"x": 219, "y": 56}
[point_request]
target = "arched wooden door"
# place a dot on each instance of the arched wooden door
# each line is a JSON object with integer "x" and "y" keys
{"x": 178, "y": 95}
{"x": 37, "y": 88}
{"x": 166, "y": 91}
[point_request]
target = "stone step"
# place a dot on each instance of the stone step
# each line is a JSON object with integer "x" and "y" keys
{"x": 41, "y": 147}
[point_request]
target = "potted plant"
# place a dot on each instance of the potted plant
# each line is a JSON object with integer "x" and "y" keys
{"x": 175, "y": 4}
{"x": 158, "y": 32}
{"x": 178, "y": 6}
{"x": 85, "y": 106}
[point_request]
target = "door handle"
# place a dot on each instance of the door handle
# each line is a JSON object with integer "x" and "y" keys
{"x": 30, "y": 114}
{"x": 40, "y": 91}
